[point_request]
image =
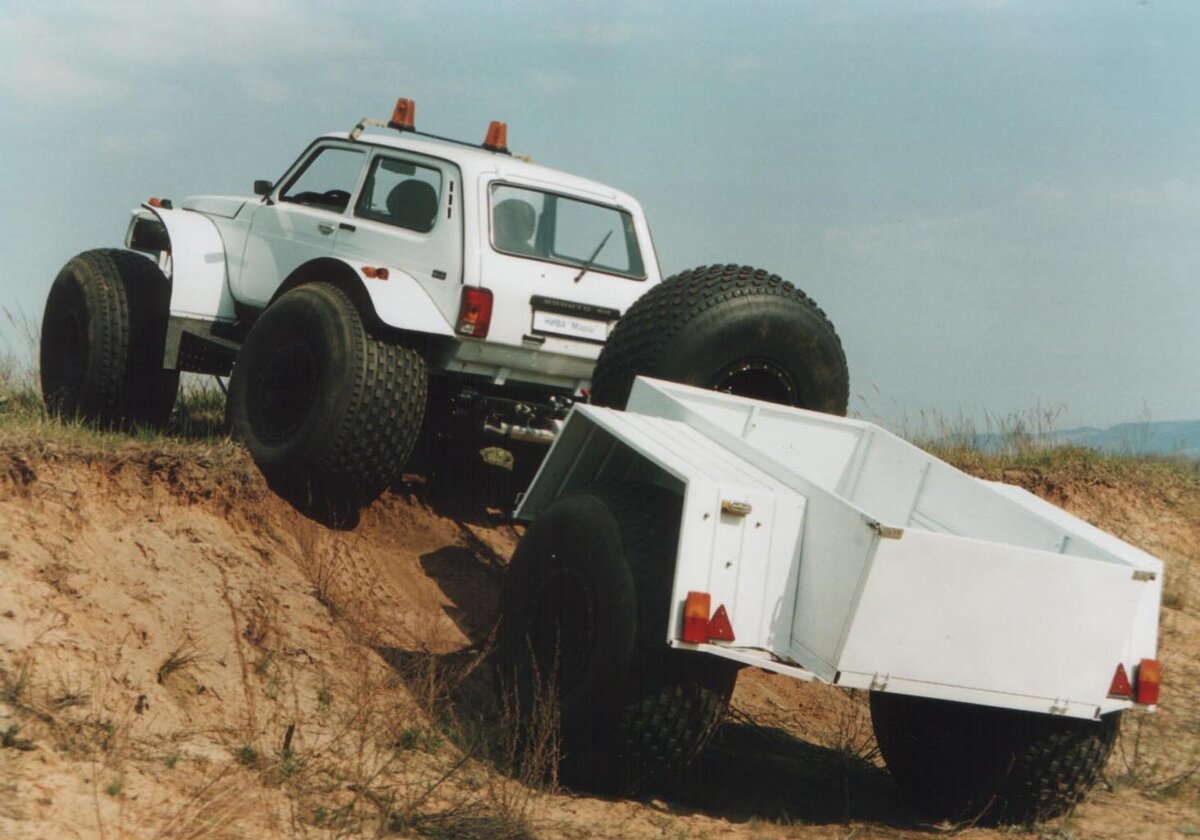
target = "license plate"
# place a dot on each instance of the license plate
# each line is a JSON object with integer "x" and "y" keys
{"x": 571, "y": 326}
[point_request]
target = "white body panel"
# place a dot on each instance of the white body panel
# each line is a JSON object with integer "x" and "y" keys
{"x": 866, "y": 562}
{"x": 402, "y": 302}
{"x": 196, "y": 266}
{"x": 282, "y": 238}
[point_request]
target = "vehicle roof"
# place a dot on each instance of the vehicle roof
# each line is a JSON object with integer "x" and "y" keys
{"x": 475, "y": 161}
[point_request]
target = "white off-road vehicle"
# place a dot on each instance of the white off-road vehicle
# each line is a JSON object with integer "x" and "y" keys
{"x": 389, "y": 276}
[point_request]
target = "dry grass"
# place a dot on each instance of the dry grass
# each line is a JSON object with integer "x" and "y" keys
{"x": 371, "y": 746}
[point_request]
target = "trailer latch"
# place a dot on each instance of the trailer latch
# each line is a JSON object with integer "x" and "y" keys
{"x": 887, "y": 532}
{"x": 1144, "y": 575}
{"x": 735, "y": 508}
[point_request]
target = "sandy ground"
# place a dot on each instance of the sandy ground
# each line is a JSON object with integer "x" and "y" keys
{"x": 183, "y": 655}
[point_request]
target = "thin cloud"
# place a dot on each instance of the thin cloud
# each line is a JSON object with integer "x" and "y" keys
{"x": 135, "y": 143}
{"x": 602, "y": 35}
{"x": 76, "y": 53}
{"x": 265, "y": 88}
{"x": 744, "y": 65}
{"x": 1039, "y": 213}
{"x": 551, "y": 83}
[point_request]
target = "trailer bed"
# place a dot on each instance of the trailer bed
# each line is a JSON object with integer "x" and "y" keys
{"x": 845, "y": 554}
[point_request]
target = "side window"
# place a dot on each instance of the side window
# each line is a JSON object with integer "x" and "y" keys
{"x": 327, "y": 180}
{"x": 556, "y": 228}
{"x": 516, "y": 217}
{"x": 402, "y": 193}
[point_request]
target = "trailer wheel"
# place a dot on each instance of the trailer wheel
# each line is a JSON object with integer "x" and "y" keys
{"x": 731, "y": 328}
{"x": 324, "y": 407}
{"x": 582, "y": 640}
{"x": 103, "y": 335}
{"x": 964, "y": 761}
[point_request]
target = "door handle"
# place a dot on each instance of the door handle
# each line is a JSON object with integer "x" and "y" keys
{"x": 347, "y": 226}
{"x": 325, "y": 228}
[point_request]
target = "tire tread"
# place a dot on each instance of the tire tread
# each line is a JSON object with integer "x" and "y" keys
{"x": 643, "y": 335}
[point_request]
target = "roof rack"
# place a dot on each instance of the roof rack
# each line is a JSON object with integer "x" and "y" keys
{"x": 403, "y": 120}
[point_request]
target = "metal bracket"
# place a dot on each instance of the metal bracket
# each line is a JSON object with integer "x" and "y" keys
{"x": 887, "y": 532}
{"x": 357, "y": 131}
{"x": 1143, "y": 575}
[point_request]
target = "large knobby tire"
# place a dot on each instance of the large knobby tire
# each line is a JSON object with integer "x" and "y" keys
{"x": 961, "y": 761}
{"x": 325, "y": 409}
{"x": 583, "y": 634}
{"x": 103, "y": 336}
{"x": 731, "y": 328}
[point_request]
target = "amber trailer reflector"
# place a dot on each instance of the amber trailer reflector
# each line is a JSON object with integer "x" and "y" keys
{"x": 1146, "y": 682}
{"x": 475, "y": 314}
{"x": 375, "y": 273}
{"x": 497, "y": 137}
{"x": 1120, "y": 684}
{"x": 695, "y": 617}
{"x": 404, "y": 115}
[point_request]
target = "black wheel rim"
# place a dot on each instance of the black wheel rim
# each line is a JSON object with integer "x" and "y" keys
{"x": 287, "y": 391}
{"x": 561, "y": 631}
{"x": 757, "y": 379}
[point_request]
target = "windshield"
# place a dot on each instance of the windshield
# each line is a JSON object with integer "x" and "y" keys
{"x": 555, "y": 228}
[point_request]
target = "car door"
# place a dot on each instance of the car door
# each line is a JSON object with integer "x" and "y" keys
{"x": 299, "y": 221}
{"x": 408, "y": 217}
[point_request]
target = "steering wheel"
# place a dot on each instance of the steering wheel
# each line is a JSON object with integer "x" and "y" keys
{"x": 338, "y": 198}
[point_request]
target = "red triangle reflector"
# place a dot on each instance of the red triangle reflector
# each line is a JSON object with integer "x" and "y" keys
{"x": 719, "y": 628}
{"x": 1120, "y": 684}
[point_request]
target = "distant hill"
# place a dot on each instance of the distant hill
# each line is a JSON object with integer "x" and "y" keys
{"x": 1163, "y": 438}
{"x": 1181, "y": 438}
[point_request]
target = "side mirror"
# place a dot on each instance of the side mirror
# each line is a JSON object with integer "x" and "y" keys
{"x": 263, "y": 187}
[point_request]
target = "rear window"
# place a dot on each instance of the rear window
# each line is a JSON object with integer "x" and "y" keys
{"x": 556, "y": 228}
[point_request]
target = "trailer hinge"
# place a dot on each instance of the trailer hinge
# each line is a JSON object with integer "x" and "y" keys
{"x": 1142, "y": 574}
{"x": 1058, "y": 707}
{"x": 879, "y": 682}
{"x": 887, "y": 532}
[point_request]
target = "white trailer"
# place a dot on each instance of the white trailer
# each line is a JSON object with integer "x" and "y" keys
{"x": 1000, "y": 636}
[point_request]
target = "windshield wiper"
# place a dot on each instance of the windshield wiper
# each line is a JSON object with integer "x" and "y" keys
{"x": 584, "y": 268}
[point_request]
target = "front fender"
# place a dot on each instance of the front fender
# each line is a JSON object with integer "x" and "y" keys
{"x": 196, "y": 264}
{"x": 401, "y": 302}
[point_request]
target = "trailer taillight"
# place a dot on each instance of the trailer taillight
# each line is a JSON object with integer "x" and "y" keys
{"x": 698, "y": 628}
{"x": 475, "y": 314}
{"x": 1120, "y": 686}
{"x": 1146, "y": 681}
{"x": 695, "y": 617}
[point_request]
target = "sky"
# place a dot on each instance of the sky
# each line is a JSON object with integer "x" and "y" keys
{"x": 996, "y": 203}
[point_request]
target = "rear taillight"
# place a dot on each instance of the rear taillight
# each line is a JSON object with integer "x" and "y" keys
{"x": 475, "y": 314}
{"x": 698, "y": 628}
{"x": 695, "y": 617}
{"x": 1146, "y": 681}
